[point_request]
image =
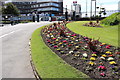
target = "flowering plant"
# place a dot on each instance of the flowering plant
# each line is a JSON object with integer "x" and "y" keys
{"x": 112, "y": 62}
{"x": 104, "y": 55}
{"x": 103, "y": 58}
{"x": 70, "y": 52}
{"x": 108, "y": 52}
{"x": 85, "y": 55}
{"x": 94, "y": 55}
{"x": 102, "y": 74}
{"x": 91, "y": 63}
{"x": 101, "y": 68}
{"x": 107, "y": 47}
{"x": 92, "y": 58}
{"x": 55, "y": 46}
{"x": 110, "y": 58}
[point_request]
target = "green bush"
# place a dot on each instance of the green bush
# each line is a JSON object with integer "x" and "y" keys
{"x": 113, "y": 19}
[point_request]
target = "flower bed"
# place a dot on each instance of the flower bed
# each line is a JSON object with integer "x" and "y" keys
{"x": 92, "y": 24}
{"x": 96, "y": 59}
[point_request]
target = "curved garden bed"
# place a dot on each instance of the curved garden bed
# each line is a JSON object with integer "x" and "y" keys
{"x": 96, "y": 59}
{"x": 47, "y": 63}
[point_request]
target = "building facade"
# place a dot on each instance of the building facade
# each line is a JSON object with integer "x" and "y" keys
{"x": 53, "y": 7}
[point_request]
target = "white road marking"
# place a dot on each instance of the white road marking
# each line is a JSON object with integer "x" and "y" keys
{"x": 9, "y": 33}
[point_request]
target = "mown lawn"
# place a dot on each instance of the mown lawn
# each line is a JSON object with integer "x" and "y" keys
{"x": 107, "y": 34}
{"x": 47, "y": 63}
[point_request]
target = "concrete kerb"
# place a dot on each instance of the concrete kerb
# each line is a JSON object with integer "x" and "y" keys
{"x": 37, "y": 76}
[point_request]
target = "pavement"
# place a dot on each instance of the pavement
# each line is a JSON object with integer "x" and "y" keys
{"x": 15, "y": 49}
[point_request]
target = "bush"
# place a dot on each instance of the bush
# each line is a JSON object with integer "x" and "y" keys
{"x": 113, "y": 19}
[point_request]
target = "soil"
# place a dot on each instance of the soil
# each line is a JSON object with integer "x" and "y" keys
{"x": 71, "y": 47}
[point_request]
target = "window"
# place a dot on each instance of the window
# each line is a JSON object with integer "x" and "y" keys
{"x": 47, "y": 9}
{"x": 49, "y": 4}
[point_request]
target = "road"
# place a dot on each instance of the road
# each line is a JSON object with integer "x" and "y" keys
{"x": 15, "y": 49}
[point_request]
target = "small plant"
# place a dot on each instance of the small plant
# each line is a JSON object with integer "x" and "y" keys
{"x": 92, "y": 44}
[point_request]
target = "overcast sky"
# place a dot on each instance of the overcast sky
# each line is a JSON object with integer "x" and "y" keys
{"x": 108, "y": 4}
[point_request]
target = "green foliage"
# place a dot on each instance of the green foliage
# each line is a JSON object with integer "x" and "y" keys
{"x": 113, "y": 19}
{"x": 10, "y": 9}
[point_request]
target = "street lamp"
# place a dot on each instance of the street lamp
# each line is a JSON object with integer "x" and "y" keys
{"x": 66, "y": 14}
{"x": 33, "y": 16}
{"x": 74, "y": 12}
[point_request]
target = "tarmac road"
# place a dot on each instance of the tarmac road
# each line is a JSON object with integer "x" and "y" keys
{"x": 15, "y": 50}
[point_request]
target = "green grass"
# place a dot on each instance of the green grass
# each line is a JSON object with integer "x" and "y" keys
{"x": 47, "y": 63}
{"x": 107, "y": 34}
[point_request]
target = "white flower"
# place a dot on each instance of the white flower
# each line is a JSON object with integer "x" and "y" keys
{"x": 102, "y": 58}
{"x": 48, "y": 35}
{"x": 85, "y": 55}
{"x": 52, "y": 36}
{"x": 70, "y": 52}
{"x": 110, "y": 58}
{"x": 76, "y": 40}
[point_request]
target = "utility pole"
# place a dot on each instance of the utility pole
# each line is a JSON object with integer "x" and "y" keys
{"x": 86, "y": 8}
{"x": 95, "y": 8}
{"x": 91, "y": 10}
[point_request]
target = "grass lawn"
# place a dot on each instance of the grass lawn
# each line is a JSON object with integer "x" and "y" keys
{"x": 47, "y": 63}
{"x": 107, "y": 34}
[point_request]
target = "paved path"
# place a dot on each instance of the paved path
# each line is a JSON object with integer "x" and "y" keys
{"x": 15, "y": 49}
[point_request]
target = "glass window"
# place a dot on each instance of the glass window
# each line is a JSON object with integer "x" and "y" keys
{"x": 47, "y": 9}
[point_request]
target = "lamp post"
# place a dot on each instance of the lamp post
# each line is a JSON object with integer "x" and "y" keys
{"x": 33, "y": 16}
{"x": 74, "y": 12}
{"x": 66, "y": 14}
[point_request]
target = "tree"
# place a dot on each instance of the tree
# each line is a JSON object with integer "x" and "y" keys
{"x": 10, "y": 9}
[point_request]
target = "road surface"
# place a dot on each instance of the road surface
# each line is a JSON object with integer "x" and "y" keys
{"x": 15, "y": 50}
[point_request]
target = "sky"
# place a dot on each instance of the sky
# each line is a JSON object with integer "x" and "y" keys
{"x": 107, "y": 4}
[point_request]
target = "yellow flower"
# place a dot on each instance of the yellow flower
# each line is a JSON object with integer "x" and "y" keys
{"x": 77, "y": 46}
{"x": 94, "y": 55}
{"x": 58, "y": 49}
{"x": 91, "y": 63}
{"x": 103, "y": 43}
{"x": 56, "y": 39}
{"x": 112, "y": 62}
{"x": 92, "y": 58}
{"x": 60, "y": 43}
{"x": 108, "y": 52}
{"x": 104, "y": 55}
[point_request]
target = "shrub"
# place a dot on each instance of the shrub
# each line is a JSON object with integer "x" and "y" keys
{"x": 113, "y": 19}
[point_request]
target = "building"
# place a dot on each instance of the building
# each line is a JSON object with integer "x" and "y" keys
{"x": 53, "y": 7}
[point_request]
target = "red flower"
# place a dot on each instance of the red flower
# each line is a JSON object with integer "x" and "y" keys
{"x": 54, "y": 38}
{"x": 108, "y": 47}
{"x": 110, "y": 55}
{"x": 117, "y": 52}
{"x": 55, "y": 46}
{"x": 81, "y": 42}
{"x": 64, "y": 41}
{"x": 102, "y": 74}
